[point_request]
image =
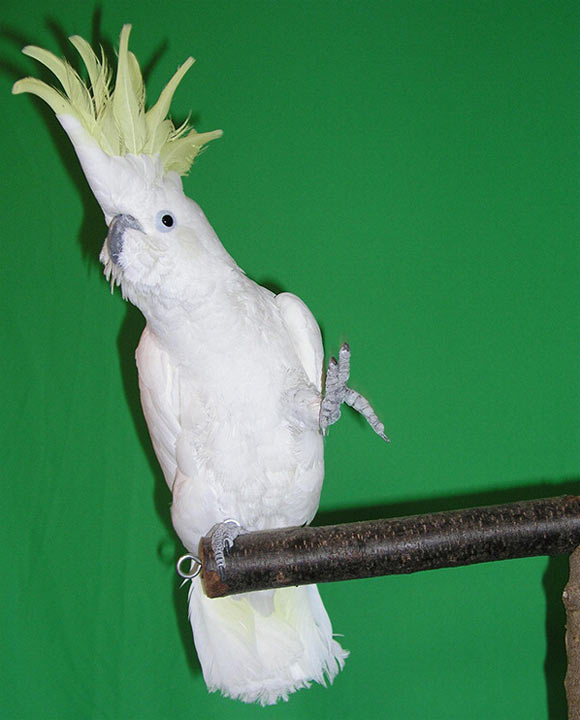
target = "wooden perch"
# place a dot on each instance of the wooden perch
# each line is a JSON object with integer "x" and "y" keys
{"x": 303, "y": 555}
{"x": 571, "y": 598}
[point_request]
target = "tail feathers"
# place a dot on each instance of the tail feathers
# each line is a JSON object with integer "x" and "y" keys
{"x": 263, "y": 646}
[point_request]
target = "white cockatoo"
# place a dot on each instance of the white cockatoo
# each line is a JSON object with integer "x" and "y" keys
{"x": 230, "y": 374}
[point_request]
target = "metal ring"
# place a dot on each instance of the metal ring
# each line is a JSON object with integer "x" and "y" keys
{"x": 194, "y": 567}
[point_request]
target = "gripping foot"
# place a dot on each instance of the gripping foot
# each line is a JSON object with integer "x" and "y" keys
{"x": 337, "y": 392}
{"x": 222, "y": 540}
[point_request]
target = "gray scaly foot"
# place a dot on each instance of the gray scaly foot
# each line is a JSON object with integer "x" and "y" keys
{"x": 222, "y": 540}
{"x": 337, "y": 392}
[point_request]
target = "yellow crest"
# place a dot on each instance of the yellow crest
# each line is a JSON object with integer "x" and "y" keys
{"x": 116, "y": 118}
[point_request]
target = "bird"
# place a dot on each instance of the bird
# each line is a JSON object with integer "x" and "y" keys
{"x": 230, "y": 373}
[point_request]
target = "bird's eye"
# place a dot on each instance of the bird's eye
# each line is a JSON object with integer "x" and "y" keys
{"x": 165, "y": 221}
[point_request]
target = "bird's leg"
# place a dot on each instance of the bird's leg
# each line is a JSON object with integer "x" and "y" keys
{"x": 222, "y": 537}
{"x": 335, "y": 388}
{"x": 337, "y": 392}
{"x": 362, "y": 405}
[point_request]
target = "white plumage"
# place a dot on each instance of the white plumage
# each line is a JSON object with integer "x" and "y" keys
{"x": 230, "y": 381}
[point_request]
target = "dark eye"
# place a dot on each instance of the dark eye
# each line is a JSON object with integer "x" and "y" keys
{"x": 165, "y": 221}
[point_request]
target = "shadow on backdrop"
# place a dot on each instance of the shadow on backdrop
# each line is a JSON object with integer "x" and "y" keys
{"x": 90, "y": 237}
{"x": 553, "y": 581}
{"x": 92, "y": 231}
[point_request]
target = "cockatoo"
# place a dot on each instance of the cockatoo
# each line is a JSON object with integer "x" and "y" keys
{"x": 230, "y": 374}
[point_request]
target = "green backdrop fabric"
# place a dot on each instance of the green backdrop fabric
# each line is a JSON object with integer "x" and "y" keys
{"x": 409, "y": 169}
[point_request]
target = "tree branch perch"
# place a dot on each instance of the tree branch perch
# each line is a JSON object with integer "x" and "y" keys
{"x": 571, "y": 598}
{"x": 304, "y": 555}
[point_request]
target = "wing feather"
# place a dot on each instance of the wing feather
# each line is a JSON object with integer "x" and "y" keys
{"x": 159, "y": 386}
{"x": 305, "y": 335}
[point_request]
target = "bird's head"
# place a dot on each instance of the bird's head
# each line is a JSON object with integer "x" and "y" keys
{"x": 133, "y": 160}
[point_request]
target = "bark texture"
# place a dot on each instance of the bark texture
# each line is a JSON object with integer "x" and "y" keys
{"x": 303, "y": 555}
{"x": 571, "y": 597}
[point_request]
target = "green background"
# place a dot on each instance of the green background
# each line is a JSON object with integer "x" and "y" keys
{"x": 410, "y": 169}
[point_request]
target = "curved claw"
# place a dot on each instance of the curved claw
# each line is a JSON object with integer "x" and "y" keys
{"x": 222, "y": 540}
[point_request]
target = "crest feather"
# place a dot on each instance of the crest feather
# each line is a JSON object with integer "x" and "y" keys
{"x": 116, "y": 118}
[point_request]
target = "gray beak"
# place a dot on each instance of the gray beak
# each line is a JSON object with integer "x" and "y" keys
{"x": 116, "y": 234}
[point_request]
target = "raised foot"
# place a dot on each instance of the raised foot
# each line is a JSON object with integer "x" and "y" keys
{"x": 336, "y": 392}
{"x": 222, "y": 540}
